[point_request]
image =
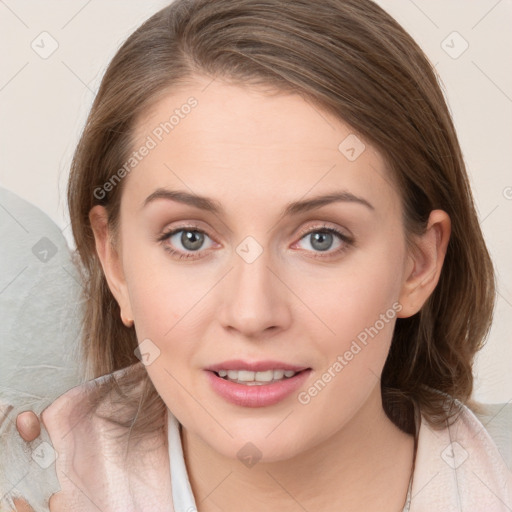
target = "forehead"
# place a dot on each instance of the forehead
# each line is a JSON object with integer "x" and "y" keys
{"x": 238, "y": 142}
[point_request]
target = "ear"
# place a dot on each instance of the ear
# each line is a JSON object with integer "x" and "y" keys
{"x": 425, "y": 264}
{"x": 111, "y": 261}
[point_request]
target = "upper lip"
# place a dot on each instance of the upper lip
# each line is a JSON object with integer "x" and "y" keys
{"x": 254, "y": 366}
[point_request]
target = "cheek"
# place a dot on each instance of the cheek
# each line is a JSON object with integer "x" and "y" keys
{"x": 358, "y": 309}
{"x": 352, "y": 299}
{"x": 361, "y": 318}
{"x": 168, "y": 304}
{"x": 165, "y": 306}
{"x": 161, "y": 293}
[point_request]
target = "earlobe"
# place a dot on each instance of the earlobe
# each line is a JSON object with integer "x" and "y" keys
{"x": 111, "y": 262}
{"x": 425, "y": 263}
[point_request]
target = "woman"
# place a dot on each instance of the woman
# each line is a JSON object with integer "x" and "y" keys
{"x": 287, "y": 280}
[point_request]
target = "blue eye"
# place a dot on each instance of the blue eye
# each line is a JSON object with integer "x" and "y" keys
{"x": 320, "y": 240}
{"x": 191, "y": 240}
{"x": 326, "y": 240}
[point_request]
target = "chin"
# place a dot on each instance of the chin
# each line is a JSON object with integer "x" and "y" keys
{"x": 259, "y": 443}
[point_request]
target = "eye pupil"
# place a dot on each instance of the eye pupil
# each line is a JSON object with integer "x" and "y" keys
{"x": 321, "y": 241}
{"x": 192, "y": 240}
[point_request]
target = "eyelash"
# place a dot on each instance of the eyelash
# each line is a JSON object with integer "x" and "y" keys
{"x": 347, "y": 241}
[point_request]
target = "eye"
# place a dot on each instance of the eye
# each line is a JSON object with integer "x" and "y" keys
{"x": 326, "y": 240}
{"x": 183, "y": 242}
{"x": 190, "y": 242}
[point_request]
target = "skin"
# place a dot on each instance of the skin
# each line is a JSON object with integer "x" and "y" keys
{"x": 28, "y": 425}
{"x": 254, "y": 153}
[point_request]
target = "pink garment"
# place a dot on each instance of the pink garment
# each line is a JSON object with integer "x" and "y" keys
{"x": 94, "y": 467}
{"x": 458, "y": 468}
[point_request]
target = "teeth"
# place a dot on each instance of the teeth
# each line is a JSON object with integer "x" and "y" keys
{"x": 278, "y": 374}
{"x": 255, "y": 378}
{"x": 232, "y": 374}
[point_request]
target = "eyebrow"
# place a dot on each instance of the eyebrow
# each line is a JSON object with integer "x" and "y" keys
{"x": 210, "y": 205}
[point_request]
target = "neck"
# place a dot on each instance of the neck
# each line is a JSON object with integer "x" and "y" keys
{"x": 364, "y": 466}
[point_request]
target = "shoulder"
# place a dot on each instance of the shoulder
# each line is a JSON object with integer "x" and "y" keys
{"x": 96, "y": 460}
{"x": 93, "y": 401}
{"x": 460, "y": 467}
{"x": 497, "y": 420}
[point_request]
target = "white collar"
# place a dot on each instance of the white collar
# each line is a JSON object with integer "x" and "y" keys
{"x": 458, "y": 468}
{"x": 182, "y": 497}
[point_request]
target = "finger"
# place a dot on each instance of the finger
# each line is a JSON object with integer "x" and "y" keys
{"x": 22, "y": 506}
{"x": 57, "y": 503}
{"x": 28, "y": 425}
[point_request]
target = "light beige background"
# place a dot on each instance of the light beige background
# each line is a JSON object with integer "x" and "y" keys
{"x": 44, "y": 103}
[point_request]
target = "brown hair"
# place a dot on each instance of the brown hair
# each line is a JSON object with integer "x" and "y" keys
{"x": 352, "y": 59}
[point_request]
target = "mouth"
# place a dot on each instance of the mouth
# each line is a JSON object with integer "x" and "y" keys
{"x": 251, "y": 378}
{"x": 257, "y": 384}
{"x": 255, "y": 373}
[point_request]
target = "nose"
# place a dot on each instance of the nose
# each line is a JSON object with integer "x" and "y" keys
{"x": 254, "y": 300}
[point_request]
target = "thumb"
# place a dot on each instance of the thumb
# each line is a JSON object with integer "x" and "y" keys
{"x": 57, "y": 503}
{"x": 28, "y": 425}
{"x": 22, "y": 506}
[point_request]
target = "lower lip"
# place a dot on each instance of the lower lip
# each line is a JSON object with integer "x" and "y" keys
{"x": 257, "y": 395}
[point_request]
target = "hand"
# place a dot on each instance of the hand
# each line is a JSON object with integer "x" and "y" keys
{"x": 29, "y": 428}
{"x": 28, "y": 425}
{"x": 22, "y": 506}
{"x": 56, "y": 504}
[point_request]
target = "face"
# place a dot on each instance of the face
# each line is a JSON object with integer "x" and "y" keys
{"x": 258, "y": 233}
